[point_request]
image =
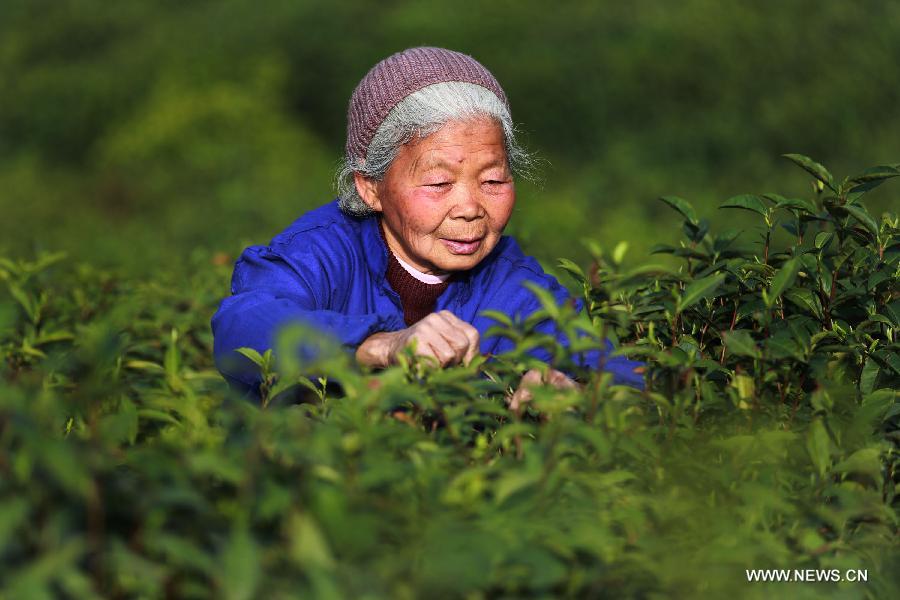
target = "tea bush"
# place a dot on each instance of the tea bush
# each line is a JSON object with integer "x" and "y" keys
{"x": 767, "y": 436}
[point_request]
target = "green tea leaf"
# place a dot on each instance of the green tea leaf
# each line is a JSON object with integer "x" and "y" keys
{"x": 662, "y": 249}
{"x": 47, "y": 260}
{"x": 813, "y": 168}
{"x": 53, "y": 336}
{"x": 682, "y": 206}
{"x": 145, "y": 365}
{"x": 513, "y": 482}
{"x": 746, "y": 389}
{"x": 878, "y": 173}
{"x": 696, "y": 231}
{"x": 862, "y": 215}
{"x": 547, "y": 300}
{"x": 868, "y": 376}
{"x": 749, "y": 202}
{"x": 783, "y": 347}
{"x": 702, "y": 288}
{"x": 798, "y": 204}
{"x": 888, "y": 359}
{"x": 823, "y": 239}
{"x": 27, "y": 304}
{"x": 172, "y": 359}
{"x": 308, "y": 546}
{"x": 741, "y": 343}
{"x": 619, "y": 252}
{"x": 806, "y": 299}
{"x": 865, "y": 461}
{"x": 783, "y": 279}
{"x": 253, "y": 355}
{"x": 240, "y": 568}
{"x": 818, "y": 445}
{"x": 572, "y": 269}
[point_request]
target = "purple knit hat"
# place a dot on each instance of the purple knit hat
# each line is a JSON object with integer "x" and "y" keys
{"x": 398, "y": 76}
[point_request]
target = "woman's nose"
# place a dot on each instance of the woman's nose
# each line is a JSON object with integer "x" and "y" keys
{"x": 468, "y": 204}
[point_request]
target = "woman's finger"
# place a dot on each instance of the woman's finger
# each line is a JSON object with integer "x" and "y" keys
{"x": 429, "y": 342}
{"x": 454, "y": 331}
{"x": 469, "y": 335}
{"x": 519, "y": 398}
{"x": 560, "y": 380}
{"x": 523, "y": 394}
{"x": 457, "y": 340}
{"x": 474, "y": 339}
{"x": 439, "y": 350}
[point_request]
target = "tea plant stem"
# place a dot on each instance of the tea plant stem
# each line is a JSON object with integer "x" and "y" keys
{"x": 830, "y": 300}
{"x": 730, "y": 328}
{"x": 834, "y": 276}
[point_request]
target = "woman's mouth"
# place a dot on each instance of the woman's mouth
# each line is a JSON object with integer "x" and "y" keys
{"x": 463, "y": 246}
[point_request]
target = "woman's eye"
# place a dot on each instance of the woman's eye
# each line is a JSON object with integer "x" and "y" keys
{"x": 495, "y": 182}
{"x": 439, "y": 184}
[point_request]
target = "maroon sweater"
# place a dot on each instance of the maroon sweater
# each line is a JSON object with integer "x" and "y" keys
{"x": 416, "y": 297}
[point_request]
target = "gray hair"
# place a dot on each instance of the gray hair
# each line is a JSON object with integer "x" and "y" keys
{"x": 417, "y": 116}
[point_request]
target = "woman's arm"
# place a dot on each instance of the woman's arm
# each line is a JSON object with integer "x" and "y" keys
{"x": 269, "y": 290}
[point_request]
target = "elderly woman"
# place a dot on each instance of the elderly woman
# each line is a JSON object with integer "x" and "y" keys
{"x": 412, "y": 249}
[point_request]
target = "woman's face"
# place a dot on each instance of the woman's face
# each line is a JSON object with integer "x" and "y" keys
{"x": 445, "y": 199}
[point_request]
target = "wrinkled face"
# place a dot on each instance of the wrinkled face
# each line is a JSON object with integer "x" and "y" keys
{"x": 445, "y": 199}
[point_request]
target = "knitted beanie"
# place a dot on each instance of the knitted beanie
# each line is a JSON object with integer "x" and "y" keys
{"x": 398, "y": 76}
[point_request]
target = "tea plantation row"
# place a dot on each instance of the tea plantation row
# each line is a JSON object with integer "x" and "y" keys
{"x": 767, "y": 436}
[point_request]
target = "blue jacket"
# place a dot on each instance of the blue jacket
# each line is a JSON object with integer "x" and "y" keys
{"x": 328, "y": 270}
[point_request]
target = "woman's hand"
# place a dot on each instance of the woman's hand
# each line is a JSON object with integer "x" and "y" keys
{"x": 441, "y": 335}
{"x": 532, "y": 379}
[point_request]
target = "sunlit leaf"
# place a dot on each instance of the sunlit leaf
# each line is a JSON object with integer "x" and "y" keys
{"x": 308, "y": 546}
{"x": 813, "y": 168}
{"x": 572, "y": 269}
{"x": 253, "y": 355}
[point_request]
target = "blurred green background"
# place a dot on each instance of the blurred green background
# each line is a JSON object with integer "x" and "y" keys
{"x": 146, "y": 134}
